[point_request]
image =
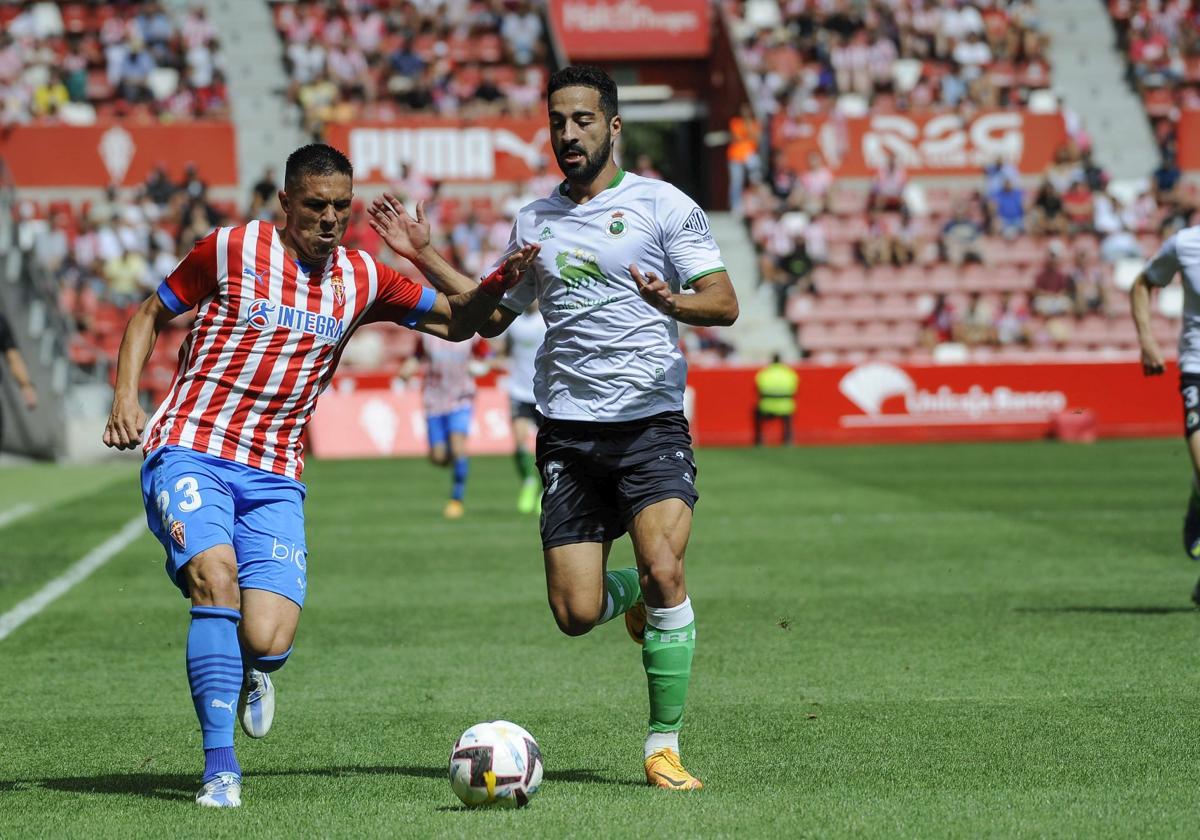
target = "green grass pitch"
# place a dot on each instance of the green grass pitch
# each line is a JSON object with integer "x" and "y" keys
{"x": 922, "y": 641}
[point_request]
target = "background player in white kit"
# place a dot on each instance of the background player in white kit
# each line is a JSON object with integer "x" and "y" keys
{"x": 617, "y": 251}
{"x": 523, "y": 340}
{"x": 1179, "y": 254}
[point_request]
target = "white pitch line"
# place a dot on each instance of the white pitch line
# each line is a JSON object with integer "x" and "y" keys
{"x": 87, "y": 564}
{"x": 14, "y": 513}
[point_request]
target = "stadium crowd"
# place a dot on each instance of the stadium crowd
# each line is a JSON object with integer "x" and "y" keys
{"x": 367, "y": 59}
{"x": 1010, "y": 266}
{"x": 79, "y": 62}
{"x": 802, "y": 57}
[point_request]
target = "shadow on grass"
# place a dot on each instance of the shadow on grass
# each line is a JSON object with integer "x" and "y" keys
{"x": 177, "y": 786}
{"x": 1109, "y": 610}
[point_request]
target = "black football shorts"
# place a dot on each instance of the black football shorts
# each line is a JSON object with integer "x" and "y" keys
{"x": 597, "y": 477}
{"x": 1189, "y": 390}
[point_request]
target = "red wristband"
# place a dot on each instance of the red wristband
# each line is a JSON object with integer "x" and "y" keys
{"x": 494, "y": 284}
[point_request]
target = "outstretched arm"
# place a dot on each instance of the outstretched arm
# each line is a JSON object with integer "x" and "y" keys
{"x": 459, "y": 317}
{"x": 127, "y": 420}
{"x": 713, "y": 305}
{"x": 410, "y": 237}
{"x": 1152, "y": 357}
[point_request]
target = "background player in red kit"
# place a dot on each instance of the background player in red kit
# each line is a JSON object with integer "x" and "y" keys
{"x": 223, "y": 451}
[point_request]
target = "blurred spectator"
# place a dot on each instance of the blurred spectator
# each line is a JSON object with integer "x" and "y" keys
{"x": 1008, "y": 209}
{"x": 887, "y": 187}
{"x": 960, "y": 240}
{"x": 978, "y": 323}
{"x": 1165, "y": 180}
{"x": 1087, "y": 285}
{"x": 939, "y": 325}
{"x": 742, "y": 154}
{"x": 1052, "y": 294}
{"x": 262, "y": 195}
{"x": 645, "y": 167}
{"x": 1078, "y": 207}
{"x": 1048, "y": 215}
{"x": 817, "y": 183}
{"x": 1012, "y": 324}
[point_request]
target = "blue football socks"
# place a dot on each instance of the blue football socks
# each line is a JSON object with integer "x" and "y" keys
{"x": 461, "y": 466}
{"x": 214, "y": 665}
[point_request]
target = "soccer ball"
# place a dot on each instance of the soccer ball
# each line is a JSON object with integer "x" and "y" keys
{"x": 495, "y": 764}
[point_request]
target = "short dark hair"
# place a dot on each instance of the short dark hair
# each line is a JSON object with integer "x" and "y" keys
{"x": 585, "y": 75}
{"x": 315, "y": 159}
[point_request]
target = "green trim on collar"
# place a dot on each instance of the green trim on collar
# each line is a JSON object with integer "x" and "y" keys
{"x": 565, "y": 187}
{"x": 692, "y": 280}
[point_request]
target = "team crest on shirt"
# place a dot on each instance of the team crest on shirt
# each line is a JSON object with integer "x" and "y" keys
{"x": 617, "y": 226}
{"x": 338, "y": 286}
{"x": 178, "y": 534}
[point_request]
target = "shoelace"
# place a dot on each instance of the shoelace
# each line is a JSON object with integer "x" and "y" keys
{"x": 671, "y": 758}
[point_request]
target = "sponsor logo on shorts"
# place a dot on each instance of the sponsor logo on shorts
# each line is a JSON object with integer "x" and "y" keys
{"x": 553, "y": 468}
{"x": 178, "y": 533}
{"x": 289, "y": 552}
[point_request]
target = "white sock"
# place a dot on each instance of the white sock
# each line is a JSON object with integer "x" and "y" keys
{"x": 655, "y": 741}
{"x": 670, "y": 618}
{"x": 609, "y": 606}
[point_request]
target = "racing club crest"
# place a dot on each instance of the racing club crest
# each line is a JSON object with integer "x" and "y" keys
{"x": 617, "y": 226}
{"x": 177, "y": 533}
{"x": 339, "y": 287}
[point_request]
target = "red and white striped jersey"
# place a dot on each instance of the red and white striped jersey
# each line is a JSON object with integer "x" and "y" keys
{"x": 267, "y": 337}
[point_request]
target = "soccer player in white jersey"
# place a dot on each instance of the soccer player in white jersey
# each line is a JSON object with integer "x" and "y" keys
{"x": 523, "y": 339}
{"x": 623, "y": 258}
{"x": 1178, "y": 255}
{"x": 224, "y": 451}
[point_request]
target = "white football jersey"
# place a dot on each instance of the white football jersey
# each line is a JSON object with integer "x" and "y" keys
{"x": 608, "y": 354}
{"x": 1181, "y": 253}
{"x": 525, "y": 336}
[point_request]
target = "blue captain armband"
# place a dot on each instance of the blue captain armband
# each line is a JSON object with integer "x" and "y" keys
{"x": 424, "y": 304}
{"x": 171, "y": 300}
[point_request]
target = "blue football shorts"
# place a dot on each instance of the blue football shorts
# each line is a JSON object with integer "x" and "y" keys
{"x": 441, "y": 426}
{"x": 196, "y": 501}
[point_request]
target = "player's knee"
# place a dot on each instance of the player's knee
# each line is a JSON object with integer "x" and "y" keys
{"x": 213, "y": 581}
{"x": 439, "y": 457}
{"x": 270, "y": 658}
{"x": 573, "y": 620}
{"x": 663, "y": 573}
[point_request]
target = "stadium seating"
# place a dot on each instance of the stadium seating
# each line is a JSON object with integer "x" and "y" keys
{"x": 369, "y": 60}
{"x": 79, "y": 62}
{"x": 858, "y": 279}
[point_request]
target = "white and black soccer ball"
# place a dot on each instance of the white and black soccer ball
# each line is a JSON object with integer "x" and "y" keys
{"x": 497, "y": 764}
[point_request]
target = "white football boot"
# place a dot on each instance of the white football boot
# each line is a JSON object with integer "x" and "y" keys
{"x": 256, "y": 704}
{"x": 223, "y": 791}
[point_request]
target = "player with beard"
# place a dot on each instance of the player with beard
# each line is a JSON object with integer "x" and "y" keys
{"x": 623, "y": 258}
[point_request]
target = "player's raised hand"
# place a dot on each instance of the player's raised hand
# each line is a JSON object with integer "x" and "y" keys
{"x": 403, "y": 233}
{"x": 1152, "y": 358}
{"x": 654, "y": 290}
{"x": 125, "y": 425}
{"x": 510, "y": 270}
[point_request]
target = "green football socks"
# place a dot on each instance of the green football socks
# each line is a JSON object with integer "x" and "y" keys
{"x": 622, "y": 591}
{"x": 667, "y": 653}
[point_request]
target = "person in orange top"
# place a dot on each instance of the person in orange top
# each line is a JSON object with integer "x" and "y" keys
{"x": 744, "y": 131}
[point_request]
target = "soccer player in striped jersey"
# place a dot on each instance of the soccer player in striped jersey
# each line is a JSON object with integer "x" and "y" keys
{"x": 623, "y": 259}
{"x": 448, "y": 395}
{"x": 224, "y": 452}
